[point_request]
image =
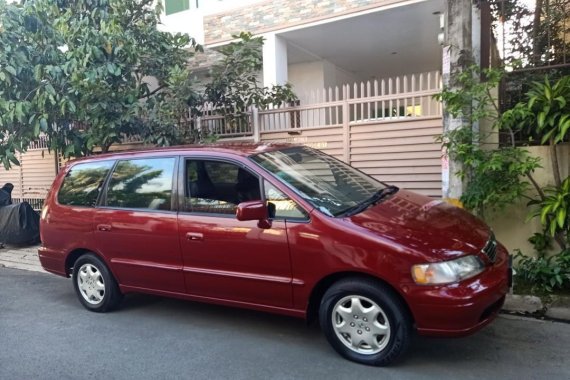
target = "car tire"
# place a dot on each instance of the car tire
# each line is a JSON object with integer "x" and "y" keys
{"x": 95, "y": 285}
{"x": 365, "y": 321}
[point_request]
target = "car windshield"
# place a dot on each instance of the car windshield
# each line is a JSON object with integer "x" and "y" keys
{"x": 331, "y": 186}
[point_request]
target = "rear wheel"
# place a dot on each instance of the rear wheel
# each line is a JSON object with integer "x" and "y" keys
{"x": 94, "y": 284}
{"x": 365, "y": 321}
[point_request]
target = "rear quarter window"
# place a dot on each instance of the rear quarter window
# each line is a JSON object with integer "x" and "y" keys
{"x": 83, "y": 183}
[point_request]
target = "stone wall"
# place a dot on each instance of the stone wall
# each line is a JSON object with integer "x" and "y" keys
{"x": 268, "y": 16}
{"x": 205, "y": 60}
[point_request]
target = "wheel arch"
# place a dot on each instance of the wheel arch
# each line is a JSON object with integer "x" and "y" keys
{"x": 76, "y": 254}
{"x": 325, "y": 283}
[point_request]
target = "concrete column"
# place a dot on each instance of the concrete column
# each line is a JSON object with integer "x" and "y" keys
{"x": 476, "y": 48}
{"x": 457, "y": 56}
{"x": 274, "y": 60}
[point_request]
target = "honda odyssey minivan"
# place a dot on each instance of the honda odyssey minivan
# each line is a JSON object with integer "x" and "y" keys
{"x": 278, "y": 228}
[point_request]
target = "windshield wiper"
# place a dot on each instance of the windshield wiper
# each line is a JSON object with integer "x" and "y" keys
{"x": 373, "y": 200}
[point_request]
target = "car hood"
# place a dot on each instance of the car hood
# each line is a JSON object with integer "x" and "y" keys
{"x": 431, "y": 228}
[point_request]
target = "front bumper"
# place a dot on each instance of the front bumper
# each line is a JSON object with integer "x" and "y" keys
{"x": 463, "y": 308}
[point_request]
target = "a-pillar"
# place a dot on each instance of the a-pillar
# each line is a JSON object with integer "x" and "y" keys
{"x": 274, "y": 60}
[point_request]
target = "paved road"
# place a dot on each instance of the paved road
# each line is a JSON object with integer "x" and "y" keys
{"x": 45, "y": 333}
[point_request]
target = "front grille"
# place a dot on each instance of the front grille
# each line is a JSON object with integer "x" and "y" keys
{"x": 490, "y": 248}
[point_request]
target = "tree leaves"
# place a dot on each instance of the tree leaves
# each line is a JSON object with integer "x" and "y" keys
{"x": 551, "y": 103}
{"x": 235, "y": 87}
{"x": 73, "y": 70}
{"x": 555, "y": 209}
{"x": 10, "y": 70}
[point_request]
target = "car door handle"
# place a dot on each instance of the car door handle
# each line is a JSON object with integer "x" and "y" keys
{"x": 104, "y": 227}
{"x": 194, "y": 236}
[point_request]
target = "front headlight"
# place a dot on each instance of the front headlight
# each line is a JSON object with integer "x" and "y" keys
{"x": 448, "y": 271}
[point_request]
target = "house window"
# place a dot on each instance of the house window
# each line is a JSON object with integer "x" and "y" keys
{"x": 175, "y": 6}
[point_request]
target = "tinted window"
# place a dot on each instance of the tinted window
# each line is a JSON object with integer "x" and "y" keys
{"x": 142, "y": 184}
{"x": 222, "y": 172}
{"x": 83, "y": 183}
{"x": 285, "y": 207}
{"x": 218, "y": 187}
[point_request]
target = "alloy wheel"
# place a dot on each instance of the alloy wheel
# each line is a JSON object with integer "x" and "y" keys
{"x": 361, "y": 325}
{"x": 91, "y": 284}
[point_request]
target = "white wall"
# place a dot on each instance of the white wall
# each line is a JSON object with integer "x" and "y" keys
{"x": 190, "y": 22}
{"x": 344, "y": 77}
{"x": 313, "y": 76}
{"x": 306, "y": 77}
{"x": 336, "y": 76}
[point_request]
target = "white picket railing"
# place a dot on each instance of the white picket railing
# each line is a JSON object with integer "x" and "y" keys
{"x": 389, "y": 99}
{"x": 229, "y": 123}
{"x": 397, "y": 98}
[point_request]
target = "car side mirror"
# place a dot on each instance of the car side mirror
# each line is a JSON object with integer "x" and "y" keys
{"x": 254, "y": 210}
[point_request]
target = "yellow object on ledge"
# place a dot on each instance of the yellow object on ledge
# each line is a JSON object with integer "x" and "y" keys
{"x": 454, "y": 201}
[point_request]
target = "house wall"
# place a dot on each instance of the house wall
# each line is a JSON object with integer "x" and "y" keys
{"x": 190, "y": 22}
{"x": 306, "y": 77}
{"x": 509, "y": 225}
{"x": 273, "y": 15}
{"x": 335, "y": 76}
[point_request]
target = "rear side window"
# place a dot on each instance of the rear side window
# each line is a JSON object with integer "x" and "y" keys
{"x": 142, "y": 184}
{"x": 83, "y": 183}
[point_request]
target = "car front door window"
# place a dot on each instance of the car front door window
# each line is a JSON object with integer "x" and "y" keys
{"x": 216, "y": 187}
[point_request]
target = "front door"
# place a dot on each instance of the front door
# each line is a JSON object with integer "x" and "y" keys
{"x": 223, "y": 257}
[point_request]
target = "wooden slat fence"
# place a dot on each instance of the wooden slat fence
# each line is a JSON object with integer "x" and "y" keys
{"x": 33, "y": 178}
{"x": 386, "y": 128}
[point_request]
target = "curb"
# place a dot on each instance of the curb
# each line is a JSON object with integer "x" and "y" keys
{"x": 551, "y": 307}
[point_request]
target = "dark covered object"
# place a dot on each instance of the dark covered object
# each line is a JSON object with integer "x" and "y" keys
{"x": 19, "y": 224}
{"x": 6, "y": 194}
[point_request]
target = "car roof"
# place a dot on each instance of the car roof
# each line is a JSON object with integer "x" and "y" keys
{"x": 240, "y": 149}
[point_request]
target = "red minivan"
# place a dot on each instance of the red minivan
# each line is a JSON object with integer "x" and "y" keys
{"x": 278, "y": 228}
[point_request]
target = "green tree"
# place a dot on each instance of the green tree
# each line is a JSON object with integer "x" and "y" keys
{"x": 498, "y": 177}
{"x": 534, "y": 34}
{"x": 546, "y": 111}
{"x": 234, "y": 85}
{"x": 88, "y": 73}
{"x": 495, "y": 177}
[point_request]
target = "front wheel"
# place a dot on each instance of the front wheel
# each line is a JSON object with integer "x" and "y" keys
{"x": 94, "y": 284}
{"x": 365, "y": 321}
